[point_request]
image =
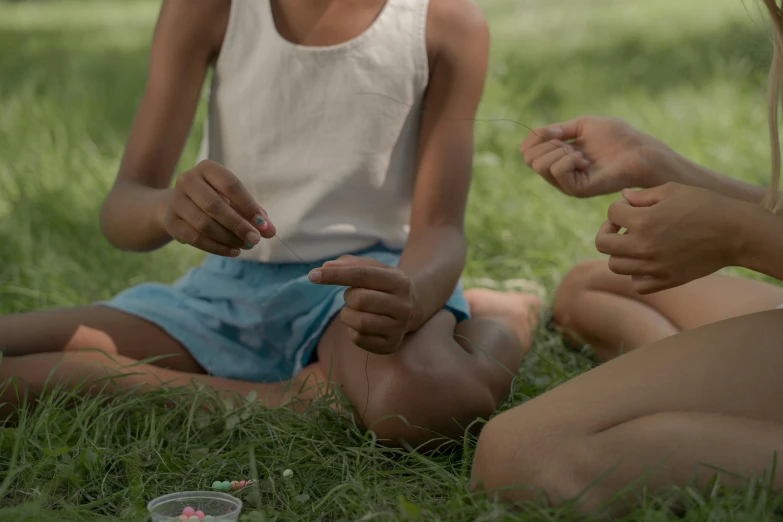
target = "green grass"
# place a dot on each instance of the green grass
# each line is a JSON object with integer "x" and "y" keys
{"x": 71, "y": 73}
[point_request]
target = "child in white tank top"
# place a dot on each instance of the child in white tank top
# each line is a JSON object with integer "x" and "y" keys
{"x": 330, "y": 196}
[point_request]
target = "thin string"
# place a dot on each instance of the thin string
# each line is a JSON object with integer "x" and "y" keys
{"x": 479, "y": 120}
{"x": 367, "y": 378}
{"x": 563, "y": 146}
{"x": 290, "y": 249}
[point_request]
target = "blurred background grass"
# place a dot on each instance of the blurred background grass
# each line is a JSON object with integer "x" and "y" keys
{"x": 71, "y": 74}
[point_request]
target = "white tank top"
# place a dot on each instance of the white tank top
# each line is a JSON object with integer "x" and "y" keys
{"x": 325, "y": 138}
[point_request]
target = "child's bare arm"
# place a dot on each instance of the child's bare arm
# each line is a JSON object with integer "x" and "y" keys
{"x": 435, "y": 254}
{"x": 187, "y": 39}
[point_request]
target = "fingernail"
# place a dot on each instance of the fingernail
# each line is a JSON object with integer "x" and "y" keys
{"x": 315, "y": 276}
{"x": 234, "y": 252}
{"x": 248, "y": 246}
{"x": 555, "y": 132}
{"x": 261, "y": 222}
{"x": 253, "y": 237}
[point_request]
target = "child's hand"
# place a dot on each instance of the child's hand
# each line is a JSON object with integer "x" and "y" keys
{"x": 379, "y": 303}
{"x": 674, "y": 234}
{"x": 211, "y": 210}
{"x": 593, "y": 156}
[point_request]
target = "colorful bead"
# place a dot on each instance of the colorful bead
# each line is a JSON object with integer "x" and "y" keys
{"x": 194, "y": 517}
{"x": 288, "y": 473}
{"x": 200, "y": 514}
{"x": 222, "y": 486}
{"x": 184, "y": 517}
{"x": 188, "y": 511}
{"x": 234, "y": 485}
{"x": 242, "y": 483}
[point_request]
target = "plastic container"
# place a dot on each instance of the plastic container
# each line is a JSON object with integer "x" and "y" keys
{"x": 222, "y": 507}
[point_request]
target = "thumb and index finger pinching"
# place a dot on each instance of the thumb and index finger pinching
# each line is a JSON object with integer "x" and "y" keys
{"x": 234, "y": 192}
{"x": 564, "y": 131}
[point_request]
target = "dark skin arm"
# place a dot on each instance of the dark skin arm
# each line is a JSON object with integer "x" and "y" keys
{"x": 383, "y": 303}
{"x": 208, "y": 208}
{"x": 434, "y": 256}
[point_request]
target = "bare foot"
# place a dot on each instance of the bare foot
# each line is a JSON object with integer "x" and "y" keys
{"x": 520, "y": 311}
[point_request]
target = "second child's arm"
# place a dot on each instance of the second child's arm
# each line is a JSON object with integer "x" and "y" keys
{"x": 141, "y": 213}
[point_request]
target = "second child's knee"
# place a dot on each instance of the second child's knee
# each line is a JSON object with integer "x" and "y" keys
{"x": 577, "y": 281}
{"x": 520, "y": 459}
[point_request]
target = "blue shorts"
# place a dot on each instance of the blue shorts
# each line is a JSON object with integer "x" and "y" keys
{"x": 247, "y": 320}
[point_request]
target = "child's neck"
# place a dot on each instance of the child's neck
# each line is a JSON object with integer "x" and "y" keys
{"x": 320, "y": 23}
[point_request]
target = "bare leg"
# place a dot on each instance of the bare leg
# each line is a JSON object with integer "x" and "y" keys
{"x": 87, "y": 345}
{"x": 598, "y": 307}
{"x": 441, "y": 380}
{"x": 98, "y": 327}
{"x": 90, "y": 372}
{"x": 707, "y": 397}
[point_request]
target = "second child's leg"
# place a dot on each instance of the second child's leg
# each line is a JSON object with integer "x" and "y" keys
{"x": 91, "y": 372}
{"x": 595, "y": 306}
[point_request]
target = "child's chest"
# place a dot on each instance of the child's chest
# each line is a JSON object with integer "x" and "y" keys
{"x": 323, "y": 23}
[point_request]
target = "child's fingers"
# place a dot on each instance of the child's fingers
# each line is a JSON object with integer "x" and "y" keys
{"x": 213, "y": 205}
{"x": 375, "y": 302}
{"x": 543, "y": 149}
{"x": 538, "y": 136}
{"x": 228, "y": 184}
{"x": 545, "y": 162}
{"x": 567, "y": 164}
{"x": 371, "y": 343}
{"x": 207, "y": 226}
{"x": 369, "y": 324}
{"x": 265, "y": 227}
{"x": 630, "y": 266}
{"x": 564, "y": 131}
{"x": 184, "y": 233}
{"x": 349, "y": 260}
{"x": 369, "y": 277}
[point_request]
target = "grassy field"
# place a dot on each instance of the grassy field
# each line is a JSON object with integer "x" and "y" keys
{"x": 71, "y": 72}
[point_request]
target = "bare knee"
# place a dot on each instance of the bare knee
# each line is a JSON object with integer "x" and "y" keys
{"x": 524, "y": 460}
{"x": 91, "y": 338}
{"x": 416, "y": 405}
{"x": 439, "y": 384}
{"x": 577, "y": 281}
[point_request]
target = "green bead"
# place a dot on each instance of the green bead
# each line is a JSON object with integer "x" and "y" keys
{"x": 225, "y": 486}
{"x": 217, "y": 485}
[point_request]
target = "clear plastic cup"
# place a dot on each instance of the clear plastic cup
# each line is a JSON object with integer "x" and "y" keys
{"x": 223, "y": 507}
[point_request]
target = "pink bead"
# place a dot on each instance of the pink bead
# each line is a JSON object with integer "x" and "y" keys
{"x": 188, "y": 511}
{"x": 242, "y": 483}
{"x": 199, "y": 514}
